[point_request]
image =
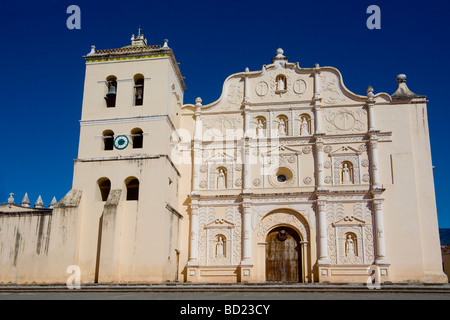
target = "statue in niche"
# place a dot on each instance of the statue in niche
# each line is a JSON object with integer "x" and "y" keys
{"x": 281, "y": 85}
{"x": 221, "y": 180}
{"x": 260, "y": 128}
{"x": 304, "y": 130}
{"x": 346, "y": 174}
{"x": 349, "y": 247}
{"x": 220, "y": 252}
{"x": 282, "y": 128}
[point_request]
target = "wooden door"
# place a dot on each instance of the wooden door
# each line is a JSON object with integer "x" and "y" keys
{"x": 283, "y": 255}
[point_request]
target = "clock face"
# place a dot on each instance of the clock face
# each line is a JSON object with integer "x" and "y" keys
{"x": 121, "y": 142}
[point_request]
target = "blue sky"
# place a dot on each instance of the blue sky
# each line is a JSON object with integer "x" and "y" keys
{"x": 42, "y": 68}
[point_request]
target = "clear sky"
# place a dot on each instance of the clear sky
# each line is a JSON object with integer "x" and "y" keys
{"x": 42, "y": 69}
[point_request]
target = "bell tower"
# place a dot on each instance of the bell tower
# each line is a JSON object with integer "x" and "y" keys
{"x": 127, "y": 217}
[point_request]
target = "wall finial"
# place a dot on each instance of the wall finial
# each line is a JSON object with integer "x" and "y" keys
{"x": 25, "y": 201}
{"x": 39, "y": 203}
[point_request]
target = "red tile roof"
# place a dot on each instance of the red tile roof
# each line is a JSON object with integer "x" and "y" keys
{"x": 129, "y": 49}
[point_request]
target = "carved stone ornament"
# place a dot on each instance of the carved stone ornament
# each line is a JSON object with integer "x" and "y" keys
{"x": 345, "y": 119}
{"x": 262, "y": 88}
{"x": 327, "y": 149}
{"x": 365, "y": 162}
{"x": 288, "y": 218}
{"x": 300, "y": 86}
{"x": 307, "y": 149}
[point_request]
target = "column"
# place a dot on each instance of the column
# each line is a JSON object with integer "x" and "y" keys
{"x": 269, "y": 125}
{"x": 291, "y": 124}
{"x": 370, "y": 103}
{"x": 197, "y": 146}
{"x": 319, "y": 161}
{"x": 323, "y": 234}
{"x": 373, "y": 142}
{"x": 380, "y": 252}
{"x": 246, "y": 182}
{"x": 246, "y": 234}
{"x": 193, "y": 255}
{"x": 317, "y": 100}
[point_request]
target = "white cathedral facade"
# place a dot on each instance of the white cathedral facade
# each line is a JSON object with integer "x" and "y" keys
{"x": 288, "y": 176}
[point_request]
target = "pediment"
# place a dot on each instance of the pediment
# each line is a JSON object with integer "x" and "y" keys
{"x": 221, "y": 157}
{"x": 219, "y": 224}
{"x": 281, "y": 149}
{"x": 343, "y": 150}
{"x": 348, "y": 221}
{"x": 284, "y": 82}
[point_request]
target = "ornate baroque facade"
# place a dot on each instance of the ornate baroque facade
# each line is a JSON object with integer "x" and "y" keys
{"x": 288, "y": 176}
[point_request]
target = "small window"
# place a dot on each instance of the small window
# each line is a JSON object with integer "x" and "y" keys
{"x": 104, "y": 184}
{"x": 112, "y": 92}
{"x": 138, "y": 90}
{"x": 108, "y": 140}
{"x": 132, "y": 188}
{"x": 137, "y": 137}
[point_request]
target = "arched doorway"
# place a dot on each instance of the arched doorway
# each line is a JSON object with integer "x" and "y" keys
{"x": 283, "y": 255}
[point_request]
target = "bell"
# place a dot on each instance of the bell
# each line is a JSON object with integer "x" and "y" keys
{"x": 111, "y": 91}
{"x": 139, "y": 93}
{"x": 111, "y": 97}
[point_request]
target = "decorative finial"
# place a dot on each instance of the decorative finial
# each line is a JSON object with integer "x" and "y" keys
{"x": 53, "y": 203}
{"x": 198, "y": 102}
{"x": 401, "y": 78}
{"x": 370, "y": 96}
{"x": 25, "y": 201}
{"x": 403, "y": 92}
{"x": 39, "y": 203}
{"x": 165, "y": 44}
{"x": 11, "y": 198}
{"x": 92, "y": 50}
{"x": 280, "y": 59}
{"x": 247, "y": 69}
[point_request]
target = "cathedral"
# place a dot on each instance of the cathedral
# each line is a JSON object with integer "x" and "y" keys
{"x": 288, "y": 177}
